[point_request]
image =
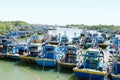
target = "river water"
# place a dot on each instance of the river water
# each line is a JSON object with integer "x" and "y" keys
{"x": 18, "y": 70}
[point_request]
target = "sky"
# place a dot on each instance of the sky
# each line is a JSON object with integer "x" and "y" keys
{"x": 61, "y": 12}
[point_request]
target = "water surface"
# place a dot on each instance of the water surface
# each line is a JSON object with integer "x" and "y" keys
{"x": 18, "y": 70}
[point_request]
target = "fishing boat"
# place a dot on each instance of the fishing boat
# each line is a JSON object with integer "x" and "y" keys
{"x": 13, "y": 52}
{"x": 48, "y": 56}
{"x": 114, "y": 67}
{"x": 5, "y": 47}
{"x": 13, "y": 34}
{"x": 39, "y": 31}
{"x": 86, "y": 42}
{"x": 112, "y": 46}
{"x": 116, "y": 71}
{"x": 46, "y": 38}
{"x": 103, "y": 35}
{"x": 22, "y": 34}
{"x": 70, "y": 57}
{"x": 64, "y": 39}
{"x": 52, "y": 39}
{"x": 110, "y": 35}
{"x": 62, "y": 46}
{"x": 17, "y": 50}
{"x": 1, "y": 38}
{"x": 93, "y": 66}
{"x": 75, "y": 40}
{"x": 34, "y": 47}
{"x": 102, "y": 42}
{"x": 29, "y": 33}
{"x": 45, "y": 29}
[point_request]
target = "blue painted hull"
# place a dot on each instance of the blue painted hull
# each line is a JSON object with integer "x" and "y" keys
{"x": 116, "y": 78}
{"x": 14, "y": 57}
{"x": 46, "y": 62}
{"x": 89, "y": 76}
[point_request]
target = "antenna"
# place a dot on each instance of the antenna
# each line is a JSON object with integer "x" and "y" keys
{"x": 59, "y": 37}
{"x": 75, "y": 34}
{"x": 25, "y": 37}
{"x": 95, "y": 42}
{"x": 65, "y": 33}
{"x": 116, "y": 44}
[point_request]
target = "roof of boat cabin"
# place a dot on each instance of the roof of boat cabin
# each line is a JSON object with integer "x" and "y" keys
{"x": 93, "y": 49}
{"x": 51, "y": 45}
{"x": 34, "y": 44}
{"x": 71, "y": 45}
{"x": 76, "y": 37}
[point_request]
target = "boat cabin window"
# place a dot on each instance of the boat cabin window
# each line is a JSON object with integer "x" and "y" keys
{"x": 33, "y": 54}
{"x": 100, "y": 39}
{"x": 33, "y": 47}
{"x": 92, "y": 53}
{"x": 4, "y": 40}
{"x": 70, "y": 56}
{"x": 92, "y": 58}
{"x": 91, "y": 63}
{"x": 75, "y": 38}
{"x": 63, "y": 44}
{"x": 71, "y": 48}
{"x": 64, "y": 39}
{"x": 53, "y": 38}
{"x": 49, "y": 48}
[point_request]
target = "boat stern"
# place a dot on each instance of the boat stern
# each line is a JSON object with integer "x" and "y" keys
{"x": 46, "y": 62}
{"x": 89, "y": 74}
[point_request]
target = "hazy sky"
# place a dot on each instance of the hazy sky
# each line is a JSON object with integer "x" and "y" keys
{"x": 61, "y": 11}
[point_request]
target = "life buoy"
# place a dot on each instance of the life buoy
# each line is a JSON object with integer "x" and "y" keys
{"x": 35, "y": 41}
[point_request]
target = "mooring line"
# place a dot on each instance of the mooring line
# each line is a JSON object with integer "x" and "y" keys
{"x": 33, "y": 74}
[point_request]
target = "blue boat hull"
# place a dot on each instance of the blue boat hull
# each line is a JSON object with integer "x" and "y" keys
{"x": 14, "y": 57}
{"x": 46, "y": 62}
{"x": 89, "y": 76}
{"x": 116, "y": 78}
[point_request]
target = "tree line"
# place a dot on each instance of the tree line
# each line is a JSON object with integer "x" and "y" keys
{"x": 93, "y": 27}
{"x": 6, "y": 26}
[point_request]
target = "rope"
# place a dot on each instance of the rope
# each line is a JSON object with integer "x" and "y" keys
{"x": 90, "y": 76}
{"x": 33, "y": 74}
{"x": 58, "y": 72}
{"x": 44, "y": 64}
